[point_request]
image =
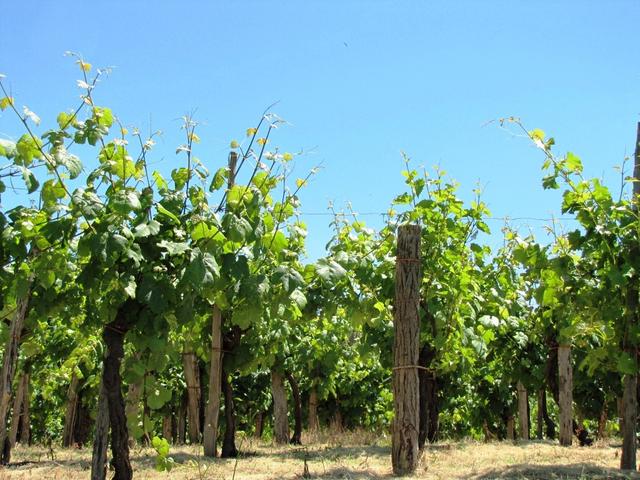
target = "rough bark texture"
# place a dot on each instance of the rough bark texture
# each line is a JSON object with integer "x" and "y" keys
{"x": 565, "y": 394}
{"x": 280, "y": 409}
{"x": 192, "y": 378}
{"x": 428, "y": 398}
{"x": 629, "y": 397}
{"x": 9, "y": 363}
{"x": 313, "y": 420}
{"x": 70, "y": 412}
{"x": 296, "y": 438}
{"x": 229, "y": 449}
{"x": 101, "y": 438}
{"x": 17, "y": 410}
{"x": 210, "y": 434}
{"x": 523, "y": 412}
{"x": 406, "y": 422}
{"x": 113, "y": 335}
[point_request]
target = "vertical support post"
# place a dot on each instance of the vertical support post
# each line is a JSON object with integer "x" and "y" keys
{"x": 210, "y": 436}
{"x": 523, "y": 414}
{"x": 71, "y": 411}
{"x": 212, "y": 409}
{"x": 629, "y": 398}
{"x": 101, "y": 438}
{"x": 192, "y": 379}
{"x": 280, "y": 409}
{"x": 406, "y": 422}
{"x": 565, "y": 380}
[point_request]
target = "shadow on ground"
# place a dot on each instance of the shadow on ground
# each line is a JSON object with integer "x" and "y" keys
{"x": 577, "y": 471}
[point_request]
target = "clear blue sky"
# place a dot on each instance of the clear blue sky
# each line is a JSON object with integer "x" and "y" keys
{"x": 358, "y": 81}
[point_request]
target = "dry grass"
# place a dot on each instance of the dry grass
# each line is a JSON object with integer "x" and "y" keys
{"x": 356, "y": 456}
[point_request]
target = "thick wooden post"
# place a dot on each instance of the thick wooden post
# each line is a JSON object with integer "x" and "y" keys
{"x": 314, "y": 422}
{"x": 71, "y": 411}
{"x": 565, "y": 380}
{"x": 9, "y": 364}
{"x": 212, "y": 409}
{"x": 192, "y": 379}
{"x": 629, "y": 397}
{"x": 280, "y": 410}
{"x": 16, "y": 414}
{"x": 406, "y": 342}
{"x": 25, "y": 431}
{"x": 523, "y": 411}
{"x": 210, "y": 434}
{"x": 101, "y": 438}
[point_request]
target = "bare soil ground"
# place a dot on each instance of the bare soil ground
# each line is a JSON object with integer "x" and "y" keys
{"x": 346, "y": 456}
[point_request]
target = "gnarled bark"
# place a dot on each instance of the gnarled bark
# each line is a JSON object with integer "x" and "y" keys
{"x": 406, "y": 422}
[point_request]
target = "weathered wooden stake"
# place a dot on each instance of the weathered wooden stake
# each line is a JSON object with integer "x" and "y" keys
{"x": 280, "y": 410}
{"x": 25, "y": 431}
{"x": 192, "y": 379}
{"x": 101, "y": 438}
{"x": 212, "y": 409}
{"x": 210, "y": 434}
{"x": 406, "y": 342}
{"x": 629, "y": 397}
{"x": 523, "y": 415}
{"x": 565, "y": 380}
{"x": 314, "y": 422}
{"x": 71, "y": 411}
{"x": 17, "y": 411}
{"x": 9, "y": 364}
